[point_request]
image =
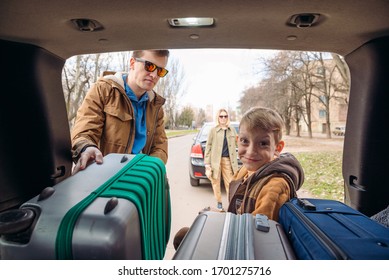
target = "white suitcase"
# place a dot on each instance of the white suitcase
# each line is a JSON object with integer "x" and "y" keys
{"x": 227, "y": 236}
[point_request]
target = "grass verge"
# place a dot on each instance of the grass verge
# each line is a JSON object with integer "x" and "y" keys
{"x": 174, "y": 133}
{"x": 323, "y": 174}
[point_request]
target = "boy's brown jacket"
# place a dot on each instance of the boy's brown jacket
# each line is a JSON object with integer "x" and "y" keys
{"x": 267, "y": 189}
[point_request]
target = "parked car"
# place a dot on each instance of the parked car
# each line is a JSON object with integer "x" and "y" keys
{"x": 37, "y": 37}
{"x": 196, "y": 158}
{"x": 339, "y": 130}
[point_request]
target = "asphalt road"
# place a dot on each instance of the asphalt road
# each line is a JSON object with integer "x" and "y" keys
{"x": 186, "y": 201}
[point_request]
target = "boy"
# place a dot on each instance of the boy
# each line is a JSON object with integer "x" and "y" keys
{"x": 267, "y": 178}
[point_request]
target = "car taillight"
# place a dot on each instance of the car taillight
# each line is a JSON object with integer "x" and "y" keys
{"x": 196, "y": 151}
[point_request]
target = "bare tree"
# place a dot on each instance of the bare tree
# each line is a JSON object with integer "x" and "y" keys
{"x": 342, "y": 88}
{"x": 294, "y": 81}
{"x": 303, "y": 84}
{"x": 172, "y": 87}
{"x": 76, "y": 80}
{"x": 78, "y": 75}
{"x": 280, "y": 86}
{"x": 344, "y": 71}
{"x": 250, "y": 97}
{"x": 329, "y": 86}
{"x": 123, "y": 60}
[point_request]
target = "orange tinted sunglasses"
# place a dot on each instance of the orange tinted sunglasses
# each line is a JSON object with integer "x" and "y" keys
{"x": 150, "y": 67}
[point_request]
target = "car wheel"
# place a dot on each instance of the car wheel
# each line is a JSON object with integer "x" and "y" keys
{"x": 194, "y": 182}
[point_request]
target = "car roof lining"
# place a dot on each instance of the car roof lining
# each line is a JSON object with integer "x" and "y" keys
{"x": 344, "y": 25}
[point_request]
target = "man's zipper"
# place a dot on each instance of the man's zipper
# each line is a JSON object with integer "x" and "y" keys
{"x": 154, "y": 128}
{"x": 132, "y": 126}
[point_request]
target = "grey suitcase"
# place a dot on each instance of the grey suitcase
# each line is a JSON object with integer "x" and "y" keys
{"x": 126, "y": 215}
{"x": 227, "y": 236}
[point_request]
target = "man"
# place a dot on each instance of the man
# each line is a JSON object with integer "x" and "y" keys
{"x": 122, "y": 114}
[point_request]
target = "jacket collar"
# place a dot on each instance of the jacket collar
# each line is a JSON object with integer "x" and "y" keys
{"x": 285, "y": 164}
{"x": 218, "y": 127}
{"x": 117, "y": 81}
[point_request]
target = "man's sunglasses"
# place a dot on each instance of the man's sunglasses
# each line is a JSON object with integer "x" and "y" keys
{"x": 150, "y": 67}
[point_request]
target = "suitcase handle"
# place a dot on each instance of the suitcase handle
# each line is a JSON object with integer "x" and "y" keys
{"x": 305, "y": 204}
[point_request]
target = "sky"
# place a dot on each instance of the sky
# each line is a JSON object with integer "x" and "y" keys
{"x": 219, "y": 76}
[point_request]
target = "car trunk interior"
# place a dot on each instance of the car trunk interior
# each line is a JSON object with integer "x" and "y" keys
{"x": 35, "y": 153}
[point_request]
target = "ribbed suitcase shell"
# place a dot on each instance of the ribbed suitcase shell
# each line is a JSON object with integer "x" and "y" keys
{"x": 333, "y": 231}
{"x": 117, "y": 210}
{"x": 226, "y": 236}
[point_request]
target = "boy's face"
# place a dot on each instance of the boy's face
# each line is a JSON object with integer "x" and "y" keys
{"x": 258, "y": 147}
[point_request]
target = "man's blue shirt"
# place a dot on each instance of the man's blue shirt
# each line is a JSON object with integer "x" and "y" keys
{"x": 140, "y": 117}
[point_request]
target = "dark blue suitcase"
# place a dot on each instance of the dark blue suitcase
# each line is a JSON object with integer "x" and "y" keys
{"x": 323, "y": 229}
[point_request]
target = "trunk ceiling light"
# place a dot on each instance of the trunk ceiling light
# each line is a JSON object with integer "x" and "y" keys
{"x": 87, "y": 25}
{"x": 191, "y": 22}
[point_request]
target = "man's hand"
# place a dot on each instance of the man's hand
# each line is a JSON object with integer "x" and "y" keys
{"x": 87, "y": 157}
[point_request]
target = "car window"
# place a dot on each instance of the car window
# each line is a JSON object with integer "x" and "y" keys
{"x": 236, "y": 126}
{"x": 203, "y": 135}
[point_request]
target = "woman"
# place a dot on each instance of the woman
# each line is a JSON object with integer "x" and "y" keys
{"x": 220, "y": 155}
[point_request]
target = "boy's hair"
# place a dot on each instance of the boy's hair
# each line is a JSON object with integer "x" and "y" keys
{"x": 264, "y": 118}
{"x": 160, "y": 53}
